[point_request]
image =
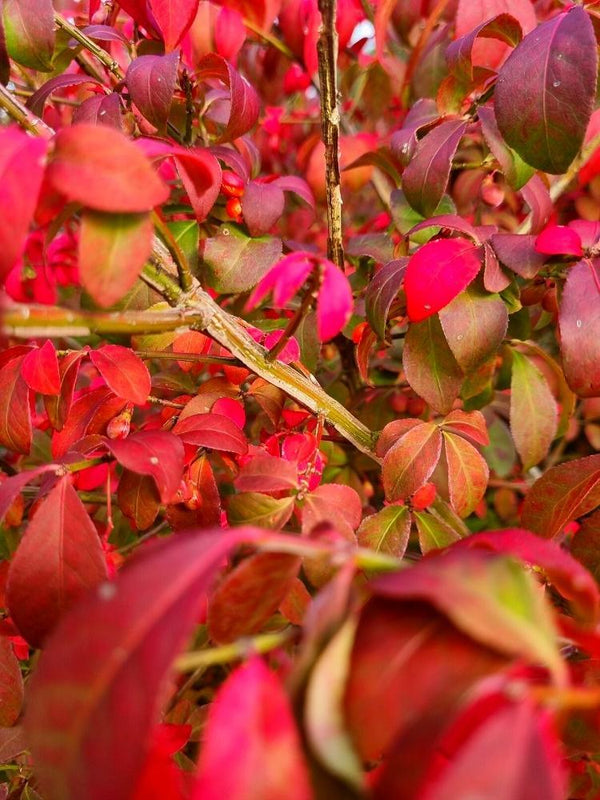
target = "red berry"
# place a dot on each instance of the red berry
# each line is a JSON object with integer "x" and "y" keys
{"x": 232, "y": 185}
{"x": 233, "y": 208}
{"x": 119, "y": 426}
{"x": 423, "y": 497}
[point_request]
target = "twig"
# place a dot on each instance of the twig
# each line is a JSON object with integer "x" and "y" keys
{"x": 105, "y": 58}
{"x": 327, "y": 51}
{"x": 23, "y": 116}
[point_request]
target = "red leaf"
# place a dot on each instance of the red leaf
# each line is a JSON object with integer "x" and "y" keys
{"x": 335, "y": 504}
{"x": 22, "y": 160}
{"x": 579, "y": 320}
{"x": 124, "y": 372}
{"x": 59, "y": 558}
{"x": 545, "y": 91}
{"x": 11, "y": 684}
{"x": 262, "y": 206}
{"x": 214, "y": 431}
{"x": 29, "y": 32}
{"x": 113, "y": 249}
{"x": 40, "y": 369}
{"x": 265, "y": 473}
{"x": 174, "y": 18}
{"x": 436, "y": 273}
{"x": 138, "y": 499}
{"x": 244, "y": 100}
{"x": 567, "y": 575}
{"x": 10, "y": 487}
{"x": 89, "y": 414}
{"x": 501, "y": 27}
{"x": 409, "y": 463}
{"x": 251, "y": 726}
{"x": 559, "y": 240}
{"x": 200, "y": 174}
{"x": 83, "y": 744}
{"x": 156, "y": 453}
{"x": 469, "y": 15}
{"x": 563, "y": 493}
{"x": 15, "y": 414}
{"x": 102, "y": 169}
{"x": 250, "y": 594}
{"x": 425, "y": 179}
{"x": 151, "y": 83}
{"x": 467, "y": 474}
{"x": 58, "y": 407}
{"x": 514, "y": 743}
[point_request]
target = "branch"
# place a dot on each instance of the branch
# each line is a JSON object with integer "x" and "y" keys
{"x": 105, "y": 58}
{"x": 327, "y": 50}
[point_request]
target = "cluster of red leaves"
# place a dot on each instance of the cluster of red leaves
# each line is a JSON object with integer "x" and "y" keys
{"x": 418, "y": 622}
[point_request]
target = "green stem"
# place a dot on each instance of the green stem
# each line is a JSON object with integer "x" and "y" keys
{"x": 23, "y": 116}
{"x": 105, "y": 58}
{"x": 235, "y": 651}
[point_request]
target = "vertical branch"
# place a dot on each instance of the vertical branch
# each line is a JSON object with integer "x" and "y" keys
{"x": 327, "y": 50}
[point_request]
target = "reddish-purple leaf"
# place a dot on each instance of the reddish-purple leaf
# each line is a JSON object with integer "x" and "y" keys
{"x": 425, "y": 179}
{"x": 514, "y": 743}
{"x": 459, "y": 55}
{"x": 404, "y": 141}
{"x": 11, "y": 684}
{"x": 386, "y": 531}
{"x": 468, "y": 423}
{"x": 381, "y": 292}
{"x": 59, "y": 558}
{"x": 22, "y": 160}
{"x": 251, "y": 747}
{"x": 102, "y": 109}
{"x": 536, "y": 195}
{"x": 262, "y": 206}
{"x": 116, "y": 647}
{"x": 200, "y": 174}
{"x": 514, "y": 169}
{"x": 113, "y": 249}
{"x": 409, "y": 463}
{"x": 296, "y": 185}
{"x": 214, "y": 431}
{"x": 156, "y": 453}
{"x": 151, "y": 83}
{"x": 437, "y": 273}
{"x": 474, "y": 324}
{"x": 494, "y": 278}
{"x": 38, "y": 99}
{"x": 450, "y": 222}
{"x": 15, "y": 413}
{"x": 567, "y": 575}
{"x": 250, "y": 594}
{"x": 124, "y": 372}
{"x": 101, "y": 168}
{"x": 468, "y": 474}
{"x": 244, "y": 100}
{"x": 173, "y": 17}
{"x": 29, "y": 32}
{"x": 563, "y": 493}
{"x": 579, "y": 320}
{"x": 430, "y": 367}
{"x": 517, "y": 252}
{"x": 40, "y": 369}
{"x": 266, "y": 473}
{"x": 141, "y": 12}
{"x": 12, "y": 742}
{"x": 488, "y": 53}
{"x": 559, "y": 240}
{"x": 585, "y": 546}
{"x": 545, "y": 91}
{"x": 533, "y": 411}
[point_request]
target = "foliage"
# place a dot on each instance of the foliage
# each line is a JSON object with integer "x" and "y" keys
{"x": 299, "y": 497}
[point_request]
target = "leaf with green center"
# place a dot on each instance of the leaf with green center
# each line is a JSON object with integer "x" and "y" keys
{"x": 113, "y": 249}
{"x": 386, "y": 531}
{"x": 235, "y": 262}
{"x": 533, "y": 412}
{"x": 434, "y": 534}
{"x": 29, "y": 32}
{"x": 262, "y": 510}
{"x": 545, "y": 91}
{"x": 430, "y": 367}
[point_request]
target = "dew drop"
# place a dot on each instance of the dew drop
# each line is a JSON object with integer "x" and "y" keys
{"x": 459, "y": 337}
{"x": 427, "y": 307}
{"x": 153, "y": 460}
{"x": 102, "y": 113}
{"x": 159, "y": 79}
{"x": 107, "y": 590}
{"x": 404, "y": 148}
{"x": 559, "y": 55}
{"x": 556, "y": 84}
{"x": 579, "y": 323}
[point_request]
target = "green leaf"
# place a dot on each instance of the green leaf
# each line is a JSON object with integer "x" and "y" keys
{"x": 29, "y": 32}
{"x": 255, "y": 508}
{"x": 430, "y": 367}
{"x": 433, "y": 533}
{"x": 533, "y": 413}
{"x": 386, "y": 531}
